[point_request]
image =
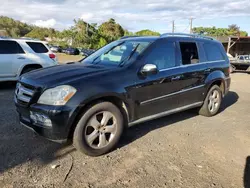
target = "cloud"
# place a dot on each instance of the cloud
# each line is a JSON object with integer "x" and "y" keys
{"x": 131, "y": 14}
{"x": 45, "y": 23}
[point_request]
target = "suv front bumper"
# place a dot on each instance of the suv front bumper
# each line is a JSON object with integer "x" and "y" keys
{"x": 59, "y": 116}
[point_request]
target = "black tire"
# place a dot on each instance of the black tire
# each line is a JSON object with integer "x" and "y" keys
{"x": 205, "y": 110}
{"x": 26, "y": 70}
{"x": 80, "y": 136}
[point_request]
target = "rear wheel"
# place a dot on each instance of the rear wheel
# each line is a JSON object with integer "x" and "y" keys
{"x": 212, "y": 102}
{"x": 99, "y": 129}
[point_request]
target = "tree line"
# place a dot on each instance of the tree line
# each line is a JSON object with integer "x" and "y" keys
{"x": 92, "y": 35}
{"x": 232, "y": 30}
{"x": 81, "y": 34}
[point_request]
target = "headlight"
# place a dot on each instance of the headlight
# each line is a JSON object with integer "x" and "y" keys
{"x": 57, "y": 96}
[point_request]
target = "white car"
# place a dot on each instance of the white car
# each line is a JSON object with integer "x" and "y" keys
{"x": 19, "y": 56}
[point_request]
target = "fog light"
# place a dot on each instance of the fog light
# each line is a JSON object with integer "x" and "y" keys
{"x": 40, "y": 119}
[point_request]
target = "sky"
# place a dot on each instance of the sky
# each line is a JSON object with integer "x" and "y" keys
{"x": 156, "y": 15}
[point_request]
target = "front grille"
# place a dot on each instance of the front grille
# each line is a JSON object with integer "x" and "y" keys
{"x": 24, "y": 94}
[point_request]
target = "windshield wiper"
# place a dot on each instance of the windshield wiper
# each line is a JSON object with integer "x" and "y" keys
{"x": 114, "y": 47}
{"x": 93, "y": 62}
{"x": 129, "y": 57}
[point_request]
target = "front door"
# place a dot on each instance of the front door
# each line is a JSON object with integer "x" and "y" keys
{"x": 155, "y": 94}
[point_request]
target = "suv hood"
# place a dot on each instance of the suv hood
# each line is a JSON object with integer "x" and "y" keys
{"x": 61, "y": 74}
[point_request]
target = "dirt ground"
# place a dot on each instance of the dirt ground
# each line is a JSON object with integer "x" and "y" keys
{"x": 63, "y": 58}
{"x": 181, "y": 150}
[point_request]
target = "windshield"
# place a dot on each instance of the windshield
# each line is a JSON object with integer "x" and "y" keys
{"x": 117, "y": 53}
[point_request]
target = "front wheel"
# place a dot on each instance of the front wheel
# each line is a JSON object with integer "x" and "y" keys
{"x": 99, "y": 129}
{"x": 212, "y": 102}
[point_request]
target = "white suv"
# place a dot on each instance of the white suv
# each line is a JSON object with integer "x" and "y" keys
{"x": 19, "y": 56}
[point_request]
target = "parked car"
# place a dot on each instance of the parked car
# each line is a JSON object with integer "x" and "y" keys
{"x": 19, "y": 56}
{"x": 241, "y": 63}
{"x": 129, "y": 81}
{"x": 64, "y": 50}
{"x": 72, "y": 51}
{"x": 56, "y": 49}
{"x": 86, "y": 52}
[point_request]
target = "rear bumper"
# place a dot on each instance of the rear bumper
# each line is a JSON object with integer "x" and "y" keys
{"x": 227, "y": 85}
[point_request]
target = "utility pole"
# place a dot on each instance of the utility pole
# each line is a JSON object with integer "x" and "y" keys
{"x": 191, "y": 25}
{"x": 173, "y": 26}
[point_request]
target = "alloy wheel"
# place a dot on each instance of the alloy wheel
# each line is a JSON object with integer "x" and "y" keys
{"x": 214, "y": 101}
{"x": 101, "y": 130}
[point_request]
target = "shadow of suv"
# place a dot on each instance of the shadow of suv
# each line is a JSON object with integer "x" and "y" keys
{"x": 129, "y": 81}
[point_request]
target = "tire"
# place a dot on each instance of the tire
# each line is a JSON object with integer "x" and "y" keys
{"x": 26, "y": 70}
{"x": 211, "y": 104}
{"x": 89, "y": 132}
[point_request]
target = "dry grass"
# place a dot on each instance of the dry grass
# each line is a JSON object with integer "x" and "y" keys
{"x": 63, "y": 58}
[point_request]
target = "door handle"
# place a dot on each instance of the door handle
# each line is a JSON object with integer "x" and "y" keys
{"x": 21, "y": 58}
{"x": 176, "y": 78}
{"x": 207, "y": 70}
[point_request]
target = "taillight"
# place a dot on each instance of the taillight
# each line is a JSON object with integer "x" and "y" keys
{"x": 52, "y": 56}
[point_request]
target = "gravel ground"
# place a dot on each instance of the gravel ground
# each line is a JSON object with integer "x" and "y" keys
{"x": 181, "y": 150}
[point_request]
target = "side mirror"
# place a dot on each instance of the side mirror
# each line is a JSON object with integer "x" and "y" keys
{"x": 149, "y": 69}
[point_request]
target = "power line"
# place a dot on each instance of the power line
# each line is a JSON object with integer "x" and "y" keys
{"x": 186, "y": 28}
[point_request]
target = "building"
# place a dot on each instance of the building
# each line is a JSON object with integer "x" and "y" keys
{"x": 236, "y": 45}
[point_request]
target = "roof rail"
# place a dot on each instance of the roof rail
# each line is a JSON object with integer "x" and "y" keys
{"x": 4, "y": 37}
{"x": 125, "y": 37}
{"x": 187, "y": 35}
{"x": 22, "y": 38}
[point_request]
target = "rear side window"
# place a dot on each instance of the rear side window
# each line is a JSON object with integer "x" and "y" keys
{"x": 189, "y": 53}
{"x": 213, "y": 52}
{"x": 10, "y": 47}
{"x": 163, "y": 55}
{"x": 38, "y": 47}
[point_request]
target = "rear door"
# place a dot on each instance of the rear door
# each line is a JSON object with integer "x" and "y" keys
{"x": 11, "y": 57}
{"x": 194, "y": 71}
{"x": 40, "y": 53}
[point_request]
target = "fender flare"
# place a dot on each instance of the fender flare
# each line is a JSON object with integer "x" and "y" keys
{"x": 24, "y": 65}
{"x": 214, "y": 77}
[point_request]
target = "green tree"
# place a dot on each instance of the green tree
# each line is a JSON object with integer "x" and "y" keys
{"x": 110, "y": 30}
{"x": 147, "y": 32}
{"x": 42, "y": 33}
{"x": 232, "y": 30}
{"x": 102, "y": 42}
{"x": 128, "y": 33}
{"x": 14, "y": 28}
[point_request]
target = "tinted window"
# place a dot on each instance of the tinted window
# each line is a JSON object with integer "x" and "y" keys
{"x": 163, "y": 55}
{"x": 10, "y": 47}
{"x": 189, "y": 53}
{"x": 38, "y": 47}
{"x": 213, "y": 52}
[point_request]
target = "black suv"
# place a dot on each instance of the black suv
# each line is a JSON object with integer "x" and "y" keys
{"x": 129, "y": 81}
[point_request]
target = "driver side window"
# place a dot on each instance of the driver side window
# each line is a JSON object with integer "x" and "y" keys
{"x": 163, "y": 55}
